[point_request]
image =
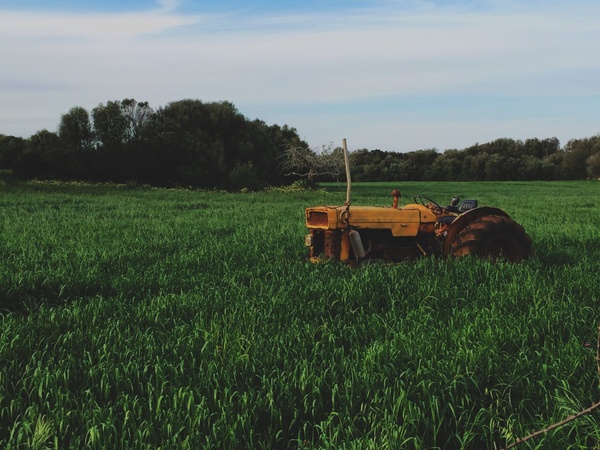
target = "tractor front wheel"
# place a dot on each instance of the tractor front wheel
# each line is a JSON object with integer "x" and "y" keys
{"x": 494, "y": 237}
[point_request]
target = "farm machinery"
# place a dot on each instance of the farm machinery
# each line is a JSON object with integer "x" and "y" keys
{"x": 422, "y": 228}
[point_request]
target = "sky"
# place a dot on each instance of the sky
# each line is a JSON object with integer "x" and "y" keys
{"x": 395, "y": 75}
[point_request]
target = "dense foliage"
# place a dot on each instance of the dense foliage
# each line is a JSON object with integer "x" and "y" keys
{"x": 212, "y": 145}
{"x": 499, "y": 160}
{"x": 186, "y": 143}
{"x": 146, "y": 318}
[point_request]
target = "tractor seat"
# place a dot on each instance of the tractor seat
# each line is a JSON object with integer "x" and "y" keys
{"x": 467, "y": 205}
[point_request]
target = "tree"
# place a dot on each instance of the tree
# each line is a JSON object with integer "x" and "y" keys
{"x": 302, "y": 161}
{"x": 137, "y": 115}
{"x": 41, "y": 158}
{"x": 476, "y": 168}
{"x": 244, "y": 176}
{"x": 593, "y": 165}
{"x": 77, "y": 142}
{"x": 177, "y": 143}
{"x": 576, "y": 153}
{"x": 541, "y": 148}
{"x": 75, "y": 130}
{"x": 110, "y": 125}
{"x": 11, "y": 148}
{"x": 448, "y": 166}
{"x": 111, "y": 130}
{"x": 212, "y": 145}
{"x": 418, "y": 164}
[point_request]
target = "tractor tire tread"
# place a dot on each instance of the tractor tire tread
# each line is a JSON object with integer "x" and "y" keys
{"x": 477, "y": 235}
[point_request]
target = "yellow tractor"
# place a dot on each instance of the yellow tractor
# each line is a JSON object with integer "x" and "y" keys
{"x": 422, "y": 228}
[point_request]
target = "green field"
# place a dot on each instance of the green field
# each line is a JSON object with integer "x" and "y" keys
{"x": 140, "y": 318}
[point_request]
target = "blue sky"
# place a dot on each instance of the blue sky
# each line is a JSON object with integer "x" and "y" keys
{"x": 390, "y": 74}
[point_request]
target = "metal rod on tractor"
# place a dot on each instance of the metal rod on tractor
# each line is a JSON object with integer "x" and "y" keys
{"x": 348, "y": 180}
{"x": 352, "y": 235}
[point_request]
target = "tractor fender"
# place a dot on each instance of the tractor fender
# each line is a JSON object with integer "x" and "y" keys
{"x": 466, "y": 218}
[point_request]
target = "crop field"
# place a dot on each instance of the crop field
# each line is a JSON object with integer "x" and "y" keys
{"x": 141, "y": 318}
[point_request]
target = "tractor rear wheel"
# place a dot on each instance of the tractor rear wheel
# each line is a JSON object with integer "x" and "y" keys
{"x": 494, "y": 237}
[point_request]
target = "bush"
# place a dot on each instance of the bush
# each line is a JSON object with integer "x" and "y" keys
{"x": 244, "y": 176}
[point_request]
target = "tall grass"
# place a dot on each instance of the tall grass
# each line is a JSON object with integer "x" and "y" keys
{"x": 145, "y": 318}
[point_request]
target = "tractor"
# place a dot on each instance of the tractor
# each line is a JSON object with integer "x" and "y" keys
{"x": 354, "y": 234}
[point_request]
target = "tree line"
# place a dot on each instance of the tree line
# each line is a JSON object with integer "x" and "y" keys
{"x": 185, "y": 143}
{"x": 212, "y": 145}
{"x": 500, "y": 160}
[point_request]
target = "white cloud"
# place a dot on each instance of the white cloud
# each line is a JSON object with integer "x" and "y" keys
{"x": 97, "y": 26}
{"x": 360, "y": 61}
{"x": 283, "y": 62}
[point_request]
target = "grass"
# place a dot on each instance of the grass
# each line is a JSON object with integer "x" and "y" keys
{"x": 145, "y": 318}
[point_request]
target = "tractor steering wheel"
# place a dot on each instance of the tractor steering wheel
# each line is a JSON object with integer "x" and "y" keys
{"x": 433, "y": 206}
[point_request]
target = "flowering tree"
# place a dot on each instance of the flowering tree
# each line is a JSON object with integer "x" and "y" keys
{"x": 311, "y": 164}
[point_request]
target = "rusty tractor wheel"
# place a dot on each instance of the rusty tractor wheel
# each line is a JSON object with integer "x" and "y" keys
{"x": 493, "y": 237}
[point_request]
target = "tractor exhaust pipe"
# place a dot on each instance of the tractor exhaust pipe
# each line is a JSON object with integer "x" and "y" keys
{"x": 353, "y": 235}
{"x": 348, "y": 180}
{"x": 357, "y": 245}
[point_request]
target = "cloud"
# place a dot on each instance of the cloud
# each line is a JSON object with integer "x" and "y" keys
{"x": 416, "y": 60}
{"x": 28, "y": 25}
{"x": 393, "y": 56}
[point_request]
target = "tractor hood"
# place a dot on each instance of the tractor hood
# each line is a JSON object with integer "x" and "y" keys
{"x": 403, "y": 221}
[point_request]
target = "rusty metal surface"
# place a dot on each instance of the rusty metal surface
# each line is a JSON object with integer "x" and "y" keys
{"x": 332, "y": 243}
{"x": 396, "y": 195}
{"x": 317, "y": 218}
{"x": 466, "y": 218}
{"x": 427, "y": 228}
